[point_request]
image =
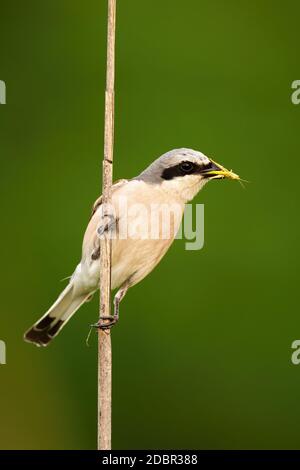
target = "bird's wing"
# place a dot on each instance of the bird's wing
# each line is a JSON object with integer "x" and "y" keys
{"x": 91, "y": 242}
{"x": 98, "y": 201}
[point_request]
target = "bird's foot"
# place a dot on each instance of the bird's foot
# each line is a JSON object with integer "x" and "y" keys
{"x": 103, "y": 324}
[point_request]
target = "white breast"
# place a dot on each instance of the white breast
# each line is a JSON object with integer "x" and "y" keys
{"x": 143, "y": 233}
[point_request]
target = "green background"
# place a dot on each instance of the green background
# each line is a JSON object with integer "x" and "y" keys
{"x": 202, "y": 353}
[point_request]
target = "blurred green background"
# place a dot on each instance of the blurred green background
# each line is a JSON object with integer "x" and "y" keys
{"x": 202, "y": 354}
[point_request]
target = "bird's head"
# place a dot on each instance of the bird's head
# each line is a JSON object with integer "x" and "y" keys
{"x": 185, "y": 172}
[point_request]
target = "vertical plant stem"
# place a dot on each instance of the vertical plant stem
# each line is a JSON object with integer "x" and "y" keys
{"x": 104, "y": 339}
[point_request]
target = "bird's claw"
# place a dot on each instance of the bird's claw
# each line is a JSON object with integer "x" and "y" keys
{"x": 106, "y": 325}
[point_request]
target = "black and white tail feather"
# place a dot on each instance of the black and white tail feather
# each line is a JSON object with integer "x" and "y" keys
{"x": 45, "y": 329}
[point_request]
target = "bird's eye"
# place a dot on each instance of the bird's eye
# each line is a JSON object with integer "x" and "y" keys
{"x": 187, "y": 167}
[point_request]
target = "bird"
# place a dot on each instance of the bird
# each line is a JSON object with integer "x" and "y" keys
{"x": 172, "y": 180}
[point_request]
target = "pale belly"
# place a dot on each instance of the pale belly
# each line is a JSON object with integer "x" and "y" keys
{"x": 133, "y": 259}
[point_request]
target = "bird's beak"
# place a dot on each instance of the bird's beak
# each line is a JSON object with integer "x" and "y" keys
{"x": 218, "y": 171}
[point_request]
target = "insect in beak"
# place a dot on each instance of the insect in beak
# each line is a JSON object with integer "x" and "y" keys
{"x": 219, "y": 171}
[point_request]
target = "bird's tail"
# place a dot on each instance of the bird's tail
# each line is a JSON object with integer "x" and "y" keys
{"x": 45, "y": 329}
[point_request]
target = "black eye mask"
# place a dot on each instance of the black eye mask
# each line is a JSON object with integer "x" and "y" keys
{"x": 185, "y": 168}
